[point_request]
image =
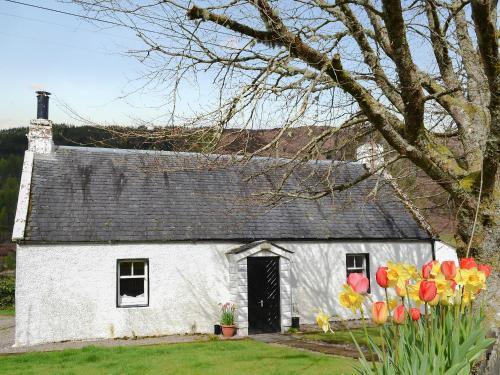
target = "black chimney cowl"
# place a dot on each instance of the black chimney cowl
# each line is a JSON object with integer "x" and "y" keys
{"x": 42, "y": 110}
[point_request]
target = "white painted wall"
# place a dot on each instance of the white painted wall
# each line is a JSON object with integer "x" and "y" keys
{"x": 446, "y": 252}
{"x": 68, "y": 292}
{"x": 319, "y": 271}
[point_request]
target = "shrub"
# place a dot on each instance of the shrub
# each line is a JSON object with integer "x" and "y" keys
{"x": 7, "y": 292}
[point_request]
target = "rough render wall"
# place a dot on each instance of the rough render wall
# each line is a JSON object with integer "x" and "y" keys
{"x": 445, "y": 252}
{"x": 319, "y": 271}
{"x": 68, "y": 292}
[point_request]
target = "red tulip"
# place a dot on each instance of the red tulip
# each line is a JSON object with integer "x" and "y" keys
{"x": 358, "y": 282}
{"x": 399, "y": 315}
{"x": 380, "y": 312}
{"x": 381, "y": 277}
{"x": 449, "y": 269}
{"x": 467, "y": 263}
{"x": 427, "y": 290}
{"x": 415, "y": 314}
{"x": 485, "y": 269}
{"x": 427, "y": 268}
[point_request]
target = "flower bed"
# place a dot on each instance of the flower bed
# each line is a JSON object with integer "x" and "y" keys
{"x": 436, "y": 329}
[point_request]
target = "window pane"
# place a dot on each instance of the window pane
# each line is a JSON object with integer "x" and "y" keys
{"x": 350, "y": 261}
{"x": 132, "y": 287}
{"x": 125, "y": 268}
{"x": 360, "y": 260}
{"x": 138, "y": 268}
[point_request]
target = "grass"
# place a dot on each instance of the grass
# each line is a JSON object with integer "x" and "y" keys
{"x": 7, "y": 312}
{"x": 343, "y": 337}
{"x": 213, "y": 357}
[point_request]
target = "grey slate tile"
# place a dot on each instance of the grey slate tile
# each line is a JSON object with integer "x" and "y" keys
{"x": 91, "y": 194}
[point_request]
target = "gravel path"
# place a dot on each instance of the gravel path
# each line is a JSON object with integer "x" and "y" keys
{"x": 345, "y": 350}
{"x": 7, "y": 325}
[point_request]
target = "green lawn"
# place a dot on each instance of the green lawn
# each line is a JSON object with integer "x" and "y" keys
{"x": 7, "y": 312}
{"x": 213, "y": 357}
{"x": 342, "y": 337}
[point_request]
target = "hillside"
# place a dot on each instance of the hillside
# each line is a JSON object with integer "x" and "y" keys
{"x": 13, "y": 142}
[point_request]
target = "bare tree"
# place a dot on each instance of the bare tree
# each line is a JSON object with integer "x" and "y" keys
{"x": 423, "y": 74}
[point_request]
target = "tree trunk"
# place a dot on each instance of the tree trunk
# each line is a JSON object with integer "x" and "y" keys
{"x": 485, "y": 243}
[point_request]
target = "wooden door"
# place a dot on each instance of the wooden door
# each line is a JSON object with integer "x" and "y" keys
{"x": 263, "y": 295}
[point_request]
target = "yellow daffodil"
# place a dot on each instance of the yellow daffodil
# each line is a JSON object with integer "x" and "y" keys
{"x": 350, "y": 299}
{"x": 398, "y": 274}
{"x": 393, "y": 302}
{"x": 323, "y": 321}
{"x": 467, "y": 298}
{"x": 413, "y": 292}
{"x": 442, "y": 284}
{"x": 436, "y": 270}
{"x": 471, "y": 279}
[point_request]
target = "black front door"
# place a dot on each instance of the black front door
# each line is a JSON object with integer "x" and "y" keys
{"x": 263, "y": 294}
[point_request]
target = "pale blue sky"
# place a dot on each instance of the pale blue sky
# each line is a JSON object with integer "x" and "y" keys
{"x": 83, "y": 66}
{"x": 76, "y": 61}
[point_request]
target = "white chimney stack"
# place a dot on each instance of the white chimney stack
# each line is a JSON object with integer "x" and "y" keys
{"x": 40, "y": 131}
{"x": 371, "y": 155}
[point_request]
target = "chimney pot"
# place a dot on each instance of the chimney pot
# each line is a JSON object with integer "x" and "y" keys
{"x": 40, "y": 130}
{"x": 42, "y": 110}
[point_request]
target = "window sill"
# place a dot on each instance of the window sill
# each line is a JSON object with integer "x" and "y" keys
{"x": 132, "y": 305}
{"x": 140, "y": 302}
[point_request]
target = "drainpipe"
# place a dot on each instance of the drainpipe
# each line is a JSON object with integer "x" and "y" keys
{"x": 433, "y": 248}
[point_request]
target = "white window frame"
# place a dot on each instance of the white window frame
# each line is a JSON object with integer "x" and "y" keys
{"x": 132, "y": 301}
{"x": 364, "y": 268}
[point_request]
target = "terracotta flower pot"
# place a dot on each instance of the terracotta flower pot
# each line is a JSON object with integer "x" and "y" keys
{"x": 228, "y": 331}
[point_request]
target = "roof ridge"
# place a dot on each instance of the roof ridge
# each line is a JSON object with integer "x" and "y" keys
{"x": 190, "y": 153}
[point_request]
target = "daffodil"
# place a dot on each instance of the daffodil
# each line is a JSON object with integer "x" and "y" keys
{"x": 350, "y": 299}
{"x": 393, "y": 302}
{"x": 323, "y": 321}
{"x": 413, "y": 293}
{"x": 471, "y": 279}
{"x": 398, "y": 274}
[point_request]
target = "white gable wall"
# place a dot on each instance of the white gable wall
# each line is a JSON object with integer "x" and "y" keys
{"x": 68, "y": 292}
{"x": 319, "y": 271}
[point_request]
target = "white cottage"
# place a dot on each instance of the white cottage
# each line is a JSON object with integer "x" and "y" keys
{"x": 115, "y": 243}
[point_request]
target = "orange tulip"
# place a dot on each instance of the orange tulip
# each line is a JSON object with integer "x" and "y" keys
{"x": 427, "y": 291}
{"x": 380, "y": 312}
{"x": 467, "y": 263}
{"x": 358, "y": 282}
{"x": 485, "y": 269}
{"x": 381, "y": 277}
{"x": 415, "y": 314}
{"x": 399, "y": 315}
{"x": 401, "y": 292}
{"x": 449, "y": 269}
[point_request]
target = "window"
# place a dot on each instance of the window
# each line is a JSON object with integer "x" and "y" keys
{"x": 358, "y": 263}
{"x": 133, "y": 283}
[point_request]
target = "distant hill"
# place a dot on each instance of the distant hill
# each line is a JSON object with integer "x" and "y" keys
{"x": 13, "y": 142}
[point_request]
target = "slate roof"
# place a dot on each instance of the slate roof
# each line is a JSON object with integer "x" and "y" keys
{"x": 83, "y": 194}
